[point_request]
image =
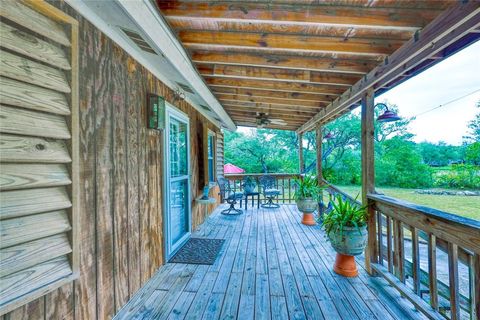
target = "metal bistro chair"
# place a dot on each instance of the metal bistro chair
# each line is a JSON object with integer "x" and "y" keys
{"x": 269, "y": 191}
{"x": 230, "y": 197}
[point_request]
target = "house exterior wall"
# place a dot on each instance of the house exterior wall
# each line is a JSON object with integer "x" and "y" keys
{"x": 121, "y": 185}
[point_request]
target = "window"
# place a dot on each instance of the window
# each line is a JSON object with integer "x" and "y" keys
{"x": 211, "y": 157}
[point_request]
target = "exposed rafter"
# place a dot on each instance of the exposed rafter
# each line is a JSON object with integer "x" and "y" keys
{"x": 283, "y": 102}
{"x": 286, "y": 43}
{"x": 312, "y": 15}
{"x": 297, "y": 96}
{"x": 285, "y": 62}
{"x": 275, "y": 86}
{"x": 257, "y": 73}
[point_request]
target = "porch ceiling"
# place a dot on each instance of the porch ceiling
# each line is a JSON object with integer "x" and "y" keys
{"x": 290, "y": 59}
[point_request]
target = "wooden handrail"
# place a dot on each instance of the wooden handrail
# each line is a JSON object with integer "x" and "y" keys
{"x": 338, "y": 191}
{"x": 450, "y": 227}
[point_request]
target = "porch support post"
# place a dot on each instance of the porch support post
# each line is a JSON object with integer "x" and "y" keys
{"x": 368, "y": 174}
{"x": 319, "y": 139}
{"x": 301, "y": 166}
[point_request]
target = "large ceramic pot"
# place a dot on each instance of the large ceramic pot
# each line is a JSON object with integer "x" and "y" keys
{"x": 351, "y": 241}
{"x": 308, "y": 205}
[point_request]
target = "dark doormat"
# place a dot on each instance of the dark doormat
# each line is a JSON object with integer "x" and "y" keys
{"x": 199, "y": 251}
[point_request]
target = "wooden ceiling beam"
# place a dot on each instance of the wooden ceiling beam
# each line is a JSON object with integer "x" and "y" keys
{"x": 247, "y": 105}
{"x": 282, "y": 52}
{"x": 275, "y": 101}
{"x": 281, "y": 27}
{"x": 297, "y": 96}
{"x": 312, "y": 15}
{"x": 356, "y": 46}
{"x": 253, "y": 125}
{"x": 275, "y": 85}
{"x": 257, "y": 73}
{"x": 284, "y": 62}
{"x": 268, "y": 104}
{"x": 253, "y": 114}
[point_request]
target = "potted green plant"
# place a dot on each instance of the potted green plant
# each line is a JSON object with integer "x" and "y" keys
{"x": 346, "y": 228}
{"x": 249, "y": 184}
{"x": 306, "y": 197}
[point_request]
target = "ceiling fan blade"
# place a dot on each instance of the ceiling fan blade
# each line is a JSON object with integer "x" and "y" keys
{"x": 280, "y": 122}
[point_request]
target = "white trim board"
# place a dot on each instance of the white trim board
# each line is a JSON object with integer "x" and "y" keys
{"x": 142, "y": 16}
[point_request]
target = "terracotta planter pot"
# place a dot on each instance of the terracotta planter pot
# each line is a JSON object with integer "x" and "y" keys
{"x": 349, "y": 243}
{"x": 308, "y": 219}
{"x": 345, "y": 265}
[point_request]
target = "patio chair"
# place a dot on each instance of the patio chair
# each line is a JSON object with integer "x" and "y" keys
{"x": 269, "y": 191}
{"x": 230, "y": 197}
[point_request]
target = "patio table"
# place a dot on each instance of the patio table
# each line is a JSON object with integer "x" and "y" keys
{"x": 252, "y": 194}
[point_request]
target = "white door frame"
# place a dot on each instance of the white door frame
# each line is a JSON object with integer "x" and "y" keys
{"x": 171, "y": 249}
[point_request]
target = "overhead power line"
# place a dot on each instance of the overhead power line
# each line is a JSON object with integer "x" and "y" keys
{"x": 447, "y": 103}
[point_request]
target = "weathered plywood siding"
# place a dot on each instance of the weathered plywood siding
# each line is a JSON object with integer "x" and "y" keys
{"x": 121, "y": 216}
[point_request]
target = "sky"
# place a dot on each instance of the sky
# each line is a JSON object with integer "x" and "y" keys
{"x": 452, "y": 78}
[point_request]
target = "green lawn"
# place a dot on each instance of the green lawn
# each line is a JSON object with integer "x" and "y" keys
{"x": 461, "y": 205}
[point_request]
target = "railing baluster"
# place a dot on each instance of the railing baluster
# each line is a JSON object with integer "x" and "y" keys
{"x": 289, "y": 190}
{"x": 432, "y": 270}
{"x": 415, "y": 261}
{"x": 475, "y": 287}
{"x": 380, "y": 240}
{"x": 453, "y": 280}
{"x": 398, "y": 244}
{"x": 389, "y": 245}
{"x": 472, "y": 282}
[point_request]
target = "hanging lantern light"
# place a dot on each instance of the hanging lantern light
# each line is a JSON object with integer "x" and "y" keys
{"x": 388, "y": 115}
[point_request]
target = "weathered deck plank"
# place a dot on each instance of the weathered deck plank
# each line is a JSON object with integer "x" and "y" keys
{"x": 270, "y": 267}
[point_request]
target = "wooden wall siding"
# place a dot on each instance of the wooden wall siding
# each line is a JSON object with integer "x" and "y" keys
{"x": 37, "y": 194}
{"x": 121, "y": 242}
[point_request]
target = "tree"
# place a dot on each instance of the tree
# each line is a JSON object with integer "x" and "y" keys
{"x": 474, "y": 126}
{"x": 401, "y": 165}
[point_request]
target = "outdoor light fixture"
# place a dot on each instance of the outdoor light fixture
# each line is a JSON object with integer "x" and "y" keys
{"x": 388, "y": 115}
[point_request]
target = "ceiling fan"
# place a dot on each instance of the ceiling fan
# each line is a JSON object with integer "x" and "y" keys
{"x": 263, "y": 120}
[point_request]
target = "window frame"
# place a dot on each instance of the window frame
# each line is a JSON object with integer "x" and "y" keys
{"x": 211, "y": 135}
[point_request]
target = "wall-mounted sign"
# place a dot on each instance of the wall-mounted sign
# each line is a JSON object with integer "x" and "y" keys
{"x": 156, "y": 112}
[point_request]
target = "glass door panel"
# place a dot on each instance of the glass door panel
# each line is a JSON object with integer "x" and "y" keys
{"x": 178, "y": 182}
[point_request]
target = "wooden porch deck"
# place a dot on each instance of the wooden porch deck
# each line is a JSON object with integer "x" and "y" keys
{"x": 270, "y": 267}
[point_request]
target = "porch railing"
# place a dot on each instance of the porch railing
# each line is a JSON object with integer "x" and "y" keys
{"x": 284, "y": 183}
{"x": 426, "y": 230}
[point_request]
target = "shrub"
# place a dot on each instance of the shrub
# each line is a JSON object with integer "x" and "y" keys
{"x": 460, "y": 177}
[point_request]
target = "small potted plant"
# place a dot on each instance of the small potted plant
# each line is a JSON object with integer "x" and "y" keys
{"x": 306, "y": 197}
{"x": 346, "y": 228}
{"x": 249, "y": 184}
